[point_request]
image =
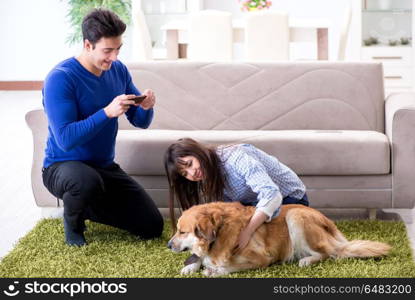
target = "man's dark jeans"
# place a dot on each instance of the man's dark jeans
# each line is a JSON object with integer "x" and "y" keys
{"x": 104, "y": 195}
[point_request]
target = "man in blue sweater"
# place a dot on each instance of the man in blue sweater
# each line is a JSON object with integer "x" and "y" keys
{"x": 83, "y": 97}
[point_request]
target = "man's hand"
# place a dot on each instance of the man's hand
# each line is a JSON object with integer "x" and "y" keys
{"x": 119, "y": 105}
{"x": 122, "y": 103}
{"x": 149, "y": 101}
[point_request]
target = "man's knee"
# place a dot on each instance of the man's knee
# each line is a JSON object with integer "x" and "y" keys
{"x": 81, "y": 179}
{"x": 158, "y": 227}
{"x": 86, "y": 186}
{"x": 74, "y": 181}
{"x": 153, "y": 229}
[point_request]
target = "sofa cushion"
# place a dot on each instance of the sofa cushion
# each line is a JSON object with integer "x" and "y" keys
{"x": 264, "y": 95}
{"x": 307, "y": 152}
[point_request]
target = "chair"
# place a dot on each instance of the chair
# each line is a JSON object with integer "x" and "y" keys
{"x": 142, "y": 48}
{"x": 344, "y": 32}
{"x": 210, "y": 36}
{"x": 266, "y": 36}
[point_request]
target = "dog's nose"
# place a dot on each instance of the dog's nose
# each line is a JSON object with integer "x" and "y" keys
{"x": 169, "y": 244}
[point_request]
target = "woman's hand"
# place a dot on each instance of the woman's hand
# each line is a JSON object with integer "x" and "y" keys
{"x": 243, "y": 240}
{"x": 244, "y": 237}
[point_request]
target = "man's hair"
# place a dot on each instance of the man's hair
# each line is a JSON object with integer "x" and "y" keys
{"x": 101, "y": 23}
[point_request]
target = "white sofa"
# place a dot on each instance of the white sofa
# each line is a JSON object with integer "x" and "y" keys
{"x": 328, "y": 121}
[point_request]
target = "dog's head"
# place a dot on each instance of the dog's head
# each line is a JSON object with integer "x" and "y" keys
{"x": 197, "y": 229}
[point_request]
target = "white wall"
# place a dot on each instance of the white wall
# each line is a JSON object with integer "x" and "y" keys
{"x": 33, "y": 35}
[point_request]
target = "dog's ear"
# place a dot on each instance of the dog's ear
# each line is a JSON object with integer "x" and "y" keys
{"x": 208, "y": 226}
{"x": 204, "y": 230}
{"x": 217, "y": 219}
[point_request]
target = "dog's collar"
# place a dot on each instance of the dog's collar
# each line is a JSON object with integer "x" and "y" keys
{"x": 191, "y": 259}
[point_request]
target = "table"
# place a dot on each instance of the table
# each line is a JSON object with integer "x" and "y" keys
{"x": 301, "y": 29}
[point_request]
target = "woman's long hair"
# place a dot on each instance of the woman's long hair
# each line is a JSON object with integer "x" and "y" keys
{"x": 188, "y": 193}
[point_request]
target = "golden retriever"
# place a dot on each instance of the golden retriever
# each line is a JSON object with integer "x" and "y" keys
{"x": 301, "y": 233}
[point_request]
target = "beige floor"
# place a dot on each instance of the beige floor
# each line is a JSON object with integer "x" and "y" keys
{"x": 18, "y": 212}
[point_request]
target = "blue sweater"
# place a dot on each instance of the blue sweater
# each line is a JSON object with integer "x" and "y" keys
{"x": 74, "y": 101}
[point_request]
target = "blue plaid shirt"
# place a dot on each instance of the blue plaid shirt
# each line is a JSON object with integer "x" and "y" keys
{"x": 257, "y": 178}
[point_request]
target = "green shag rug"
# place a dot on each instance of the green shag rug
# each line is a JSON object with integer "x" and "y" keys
{"x": 116, "y": 253}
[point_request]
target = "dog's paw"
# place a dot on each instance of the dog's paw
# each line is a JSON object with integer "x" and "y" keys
{"x": 215, "y": 272}
{"x": 309, "y": 260}
{"x": 306, "y": 261}
{"x": 190, "y": 269}
{"x": 208, "y": 272}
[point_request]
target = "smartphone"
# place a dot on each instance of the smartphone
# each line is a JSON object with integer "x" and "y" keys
{"x": 138, "y": 99}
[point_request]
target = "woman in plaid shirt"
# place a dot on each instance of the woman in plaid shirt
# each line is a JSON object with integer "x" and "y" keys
{"x": 198, "y": 173}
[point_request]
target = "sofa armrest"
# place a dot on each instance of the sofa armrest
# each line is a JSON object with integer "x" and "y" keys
{"x": 400, "y": 129}
{"x": 38, "y": 124}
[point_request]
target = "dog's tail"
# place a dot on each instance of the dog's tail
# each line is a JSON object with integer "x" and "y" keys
{"x": 362, "y": 248}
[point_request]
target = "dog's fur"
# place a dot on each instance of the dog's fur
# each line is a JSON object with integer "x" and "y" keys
{"x": 301, "y": 233}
